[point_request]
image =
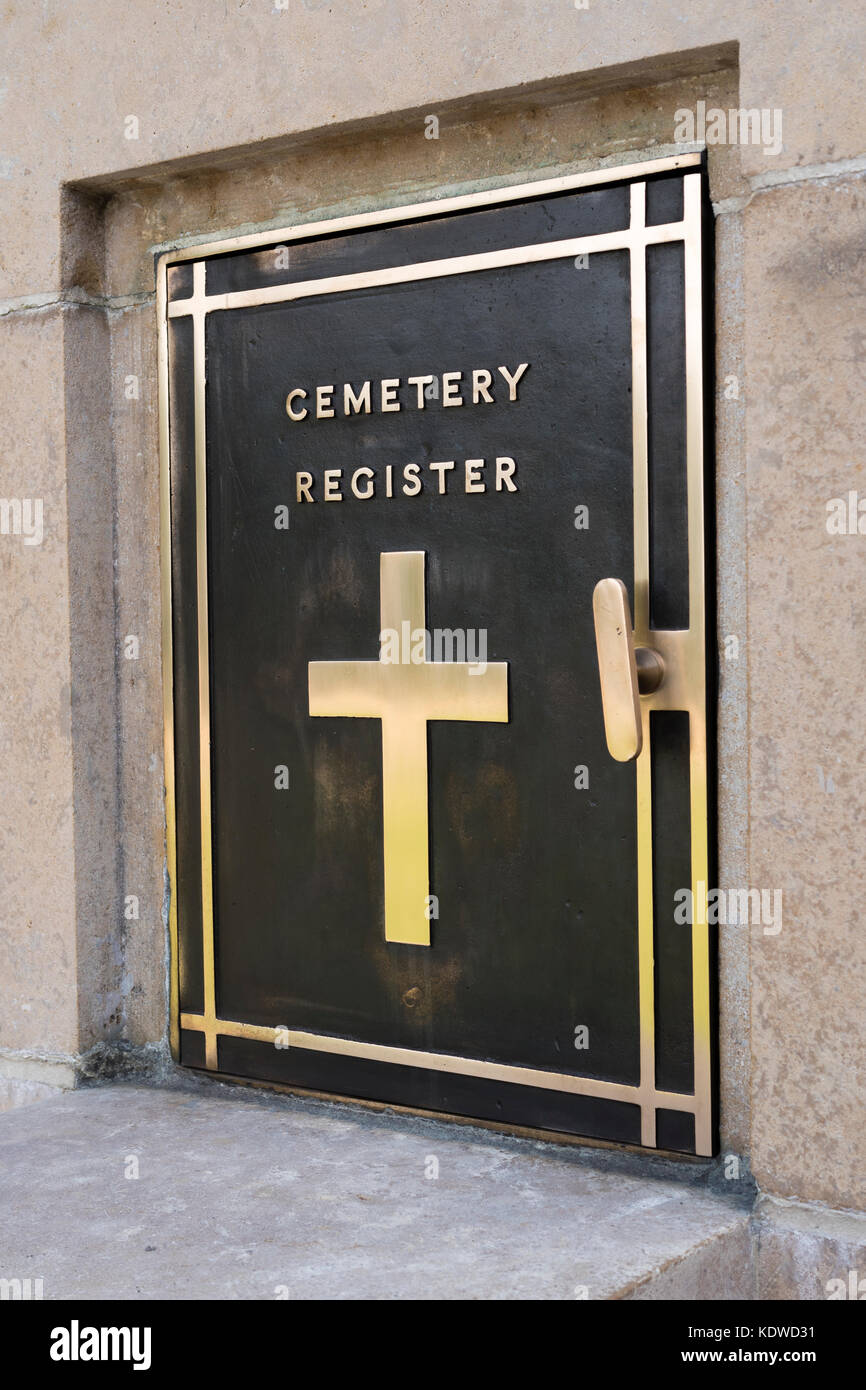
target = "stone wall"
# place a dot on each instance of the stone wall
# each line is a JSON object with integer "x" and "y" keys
{"x": 249, "y": 116}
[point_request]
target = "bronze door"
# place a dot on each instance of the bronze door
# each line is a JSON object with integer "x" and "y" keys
{"x": 416, "y": 857}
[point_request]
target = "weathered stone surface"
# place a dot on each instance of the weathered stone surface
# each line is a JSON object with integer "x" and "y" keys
{"x": 719, "y": 1270}
{"x": 93, "y": 674}
{"x": 338, "y": 174}
{"x": 14, "y": 1094}
{"x": 142, "y": 889}
{"x": 256, "y": 1198}
{"x": 733, "y": 660}
{"x": 808, "y": 1253}
{"x": 25, "y": 1079}
{"x": 58, "y": 816}
{"x": 38, "y": 979}
{"x": 805, "y": 278}
{"x": 309, "y": 67}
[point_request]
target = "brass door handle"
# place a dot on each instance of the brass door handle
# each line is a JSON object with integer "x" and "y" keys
{"x": 625, "y": 672}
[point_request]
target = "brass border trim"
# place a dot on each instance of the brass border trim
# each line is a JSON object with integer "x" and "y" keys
{"x": 443, "y": 1062}
{"x": 697, "y": 669}
{"x": 643, "y": 811}
{"x": 626, "y": 239}
{"x": 683, "y": 650}
{"x": 167, "y": 660}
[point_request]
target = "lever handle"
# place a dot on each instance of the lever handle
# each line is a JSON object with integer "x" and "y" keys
{"x": 625, "y": 673}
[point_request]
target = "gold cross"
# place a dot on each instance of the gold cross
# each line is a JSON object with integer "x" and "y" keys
{"x": 405, "y": 695}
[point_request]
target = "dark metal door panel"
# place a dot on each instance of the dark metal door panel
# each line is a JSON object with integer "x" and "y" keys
{"x": 542, "y": 979}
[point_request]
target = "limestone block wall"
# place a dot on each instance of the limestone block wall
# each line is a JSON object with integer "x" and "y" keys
{"x": 124, "y": 129}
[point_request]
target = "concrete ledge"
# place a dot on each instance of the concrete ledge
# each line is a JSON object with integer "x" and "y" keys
{"x": 808, "y": 1252}
{"x": 26, "y": 1078}
{"x": 144, "y": 1193}
{"x": 18, "y": 1091}
{"x": 720, "y": 1269}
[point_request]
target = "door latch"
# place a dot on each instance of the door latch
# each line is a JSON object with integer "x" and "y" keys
{"x": 626, "y": 672}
